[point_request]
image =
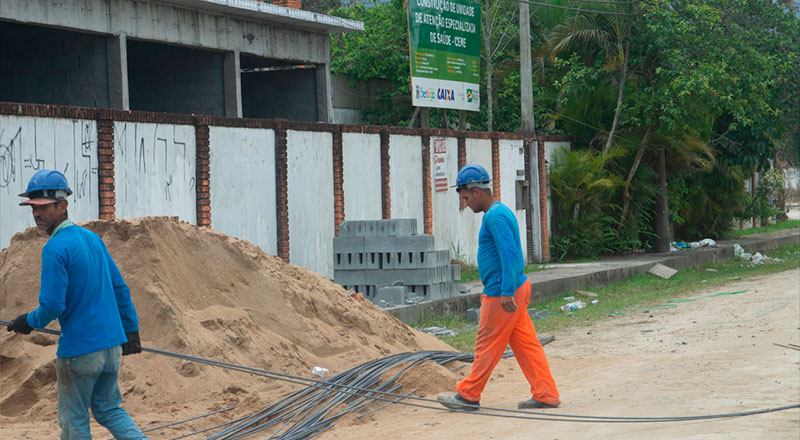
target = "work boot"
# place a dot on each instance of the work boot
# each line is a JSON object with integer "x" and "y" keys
{"x": 454, "y": 401}
{"x": 533, "y": 404}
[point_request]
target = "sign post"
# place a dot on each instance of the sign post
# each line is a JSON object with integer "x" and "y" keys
{"x": 444, "y": 51}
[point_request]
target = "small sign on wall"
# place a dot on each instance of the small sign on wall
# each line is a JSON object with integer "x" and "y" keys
{"x": 440, "y": 164}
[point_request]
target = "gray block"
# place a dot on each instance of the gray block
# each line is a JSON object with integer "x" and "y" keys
{"x": 349, "y": 277}
{"x": 425, "y": 276}
{"x": 398, "y": 227}
{"x": 348, "y": 244}
{"x": 474, "y": 314}
{"x": 358, "y": 228}
{"x": 349, "y": 261}
{"x": 392, "y": 295}
{"x": 415, "y": 243}
{"x": 444, "y": 256}
{"x": 380, "y": 244}
{"x": 455, "y": 272}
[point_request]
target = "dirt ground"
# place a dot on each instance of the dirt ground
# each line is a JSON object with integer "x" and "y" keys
{"x": 709, "y": 356}
{"x": 713, "y": 355}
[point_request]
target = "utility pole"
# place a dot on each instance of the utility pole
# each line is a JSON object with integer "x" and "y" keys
{"x": 526, "y": 79}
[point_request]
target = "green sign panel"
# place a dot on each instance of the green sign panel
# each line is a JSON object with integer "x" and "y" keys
{"x": 445, "y": 44}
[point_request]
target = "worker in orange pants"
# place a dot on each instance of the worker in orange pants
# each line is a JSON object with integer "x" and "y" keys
{"x": 504, "y": 315}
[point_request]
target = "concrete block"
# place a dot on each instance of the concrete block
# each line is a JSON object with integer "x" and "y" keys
{"x": 380, "y": 244}
{"x": 349, "y": 261}
{"x": 455, "y": 272}
{"x": 392, "y": 295}
{"x": 444, "y": 256}
{"x": 349, "y": 277}
{"x": 415, "y": 243}
{"x": 425, "y": 276}
{"x": 358, "y": 228}
{"x": 662, "y": 271}
{"x": 348, "y": 244}
{"x": 401, "y": 227}
{"x": 474, "y": 314}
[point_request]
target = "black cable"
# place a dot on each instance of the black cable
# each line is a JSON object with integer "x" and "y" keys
{"x": 407, "y": 357}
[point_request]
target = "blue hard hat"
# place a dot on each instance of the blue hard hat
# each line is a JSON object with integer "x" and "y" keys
{"x": 473, "y": 176}
{"x": 46, "y": 185}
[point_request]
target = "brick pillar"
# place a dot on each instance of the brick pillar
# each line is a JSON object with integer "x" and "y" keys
{"x": 496, "y": 168}
{"x": 543, "y": 201}
{"x": 282, "y": 193}
{"x": 427, "y": 196}
{"x": 462, "y": 161}
{"x": 203, "y": 176}
{"x": 105, "y": 169}
{"x": 386, "y": 193}
{"x": 338, "y": 180}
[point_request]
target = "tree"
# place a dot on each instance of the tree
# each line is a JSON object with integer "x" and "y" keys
{"x": 498, "y": 31}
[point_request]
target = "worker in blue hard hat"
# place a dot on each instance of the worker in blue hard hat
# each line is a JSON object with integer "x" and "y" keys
{"x": 504, "y": 315}
{"x": 82, "y": 287}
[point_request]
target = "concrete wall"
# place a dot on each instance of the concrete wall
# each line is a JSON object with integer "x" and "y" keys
{"x": 310, "y": 193}
{"x": 512, "y": 159}
{"x": 51, "y": 66}
{"x": 154, "y": 21}
{"x": 405, "y": 178}
{"x": 171, "y": 79}
{"x": 155, "y": 170}
{"x": 243, "y": 184}
{"x": 361, "y": 157}
{"x": 28, "y": 144}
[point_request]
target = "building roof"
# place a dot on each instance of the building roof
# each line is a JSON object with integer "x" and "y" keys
{"x": 276, "y": 14}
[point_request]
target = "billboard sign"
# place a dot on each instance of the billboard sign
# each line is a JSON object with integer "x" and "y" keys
{"x": 444, "y": 50}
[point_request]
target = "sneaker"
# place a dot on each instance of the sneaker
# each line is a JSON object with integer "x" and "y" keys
{"x": 532, "y": 404}
{"x": 454, "y": 401}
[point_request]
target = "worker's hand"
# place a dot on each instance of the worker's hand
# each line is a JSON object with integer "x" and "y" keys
{"x": 20, "y": 325}
{"x": 508, "y": 304}
{"x": 133, "y": 345}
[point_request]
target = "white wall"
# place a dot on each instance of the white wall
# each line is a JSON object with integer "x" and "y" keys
{"x": 243, "y": 185}
{"x": 361, "y": 171}
{"x": 154, "y": 168}
{"x": 446, "y": 216}
{"x": 512, "y": 158}
{"x": 310, "y": 188}
{"x": 405, "y": 178}
{"x": 29, "y": 144}
{"x": 479, "y": 151}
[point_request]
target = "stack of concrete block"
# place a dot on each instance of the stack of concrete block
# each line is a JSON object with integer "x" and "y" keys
{"x": 371, "y": 255}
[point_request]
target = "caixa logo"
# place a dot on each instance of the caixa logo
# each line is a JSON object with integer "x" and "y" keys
{"x": 446, "y": 95}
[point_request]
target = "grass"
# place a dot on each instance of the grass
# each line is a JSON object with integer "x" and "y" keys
{"x": 640, "y": 293}
{"x": 788, "y": 224}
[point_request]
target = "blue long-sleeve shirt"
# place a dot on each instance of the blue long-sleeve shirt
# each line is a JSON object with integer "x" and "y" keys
{"x": 500, "y": 260}
{"x": 82, "y": 287}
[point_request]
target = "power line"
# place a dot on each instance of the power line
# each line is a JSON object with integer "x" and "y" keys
{"x": 591, "y": 11}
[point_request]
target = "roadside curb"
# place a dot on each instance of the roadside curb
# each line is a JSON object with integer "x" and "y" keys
{"x": 584, "y": 275}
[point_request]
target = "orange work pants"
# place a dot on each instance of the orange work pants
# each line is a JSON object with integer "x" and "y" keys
{"x": 498, "y": 328}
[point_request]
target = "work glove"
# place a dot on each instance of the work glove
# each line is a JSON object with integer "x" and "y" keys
{"x": 133, "y": 345}
{"x": 20, "y": 325}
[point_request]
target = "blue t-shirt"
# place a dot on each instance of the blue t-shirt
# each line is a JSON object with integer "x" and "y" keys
{"x": 500, "y": 260}
{"x": 82, "y": 287}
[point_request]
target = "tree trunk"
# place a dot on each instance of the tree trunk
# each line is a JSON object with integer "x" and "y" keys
{"x": 662, "y": 207}
{"x": 623, "y": 75}
{"x": 626, "y": 196}
{"x": 490, "y": 95}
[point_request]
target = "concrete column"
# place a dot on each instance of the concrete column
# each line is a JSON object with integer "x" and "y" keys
{"x": 232, "y": 79}
{"x": 324, "y": 92}
{"x": 117, "y": 56}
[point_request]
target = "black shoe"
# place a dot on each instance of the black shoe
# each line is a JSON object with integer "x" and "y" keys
{"x": 454, "y": 401}
{"x": 533, "y": 404}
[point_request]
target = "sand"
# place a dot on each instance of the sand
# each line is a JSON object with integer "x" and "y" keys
{"x": 203, "y": 293}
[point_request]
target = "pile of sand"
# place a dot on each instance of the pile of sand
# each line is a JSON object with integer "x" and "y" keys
{"x": 203, "y": 293}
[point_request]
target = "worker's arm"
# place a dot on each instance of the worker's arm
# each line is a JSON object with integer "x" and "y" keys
{"x": 53, "y": 288}
{"x": 505, "y": 244}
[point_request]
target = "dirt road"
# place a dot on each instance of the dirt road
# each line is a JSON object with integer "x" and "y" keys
{"x": 713, "y": 355}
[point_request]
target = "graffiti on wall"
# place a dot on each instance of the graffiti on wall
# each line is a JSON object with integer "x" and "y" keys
{"x": 155, "y": 169}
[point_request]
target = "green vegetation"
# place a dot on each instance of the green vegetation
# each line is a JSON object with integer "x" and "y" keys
{"x": 637, "y": 295}
{"x": 789, "y": 224}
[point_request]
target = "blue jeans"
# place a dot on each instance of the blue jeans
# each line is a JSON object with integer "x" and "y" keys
{"x": 90, "y": 381}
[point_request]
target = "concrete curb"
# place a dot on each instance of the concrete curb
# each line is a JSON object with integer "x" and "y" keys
{"x": 580, "y": 276}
